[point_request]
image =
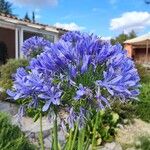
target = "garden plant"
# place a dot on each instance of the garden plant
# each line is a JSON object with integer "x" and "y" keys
{"x": 80, "y": 74}
{"x": 11, "y": 137}
{"x": 6, "y": 74}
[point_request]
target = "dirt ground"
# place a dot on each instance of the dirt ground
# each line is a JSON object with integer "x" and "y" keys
{"x": 129, "y": 133}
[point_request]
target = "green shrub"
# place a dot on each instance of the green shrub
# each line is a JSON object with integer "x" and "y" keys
{"x": 143, "y": 111}
{"x": 6, "y": 72}
{"x": 145, "y": 93}
{"x": 124, "y": 110}
{"x": 143, "y": 105}
{"x": 106, "y": 127}
{"x": 11, "y": 137}
{"x": 144, "y": 74}
{"x": 136, "y": 109}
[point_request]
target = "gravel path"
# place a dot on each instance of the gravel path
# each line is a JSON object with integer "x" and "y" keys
{"x": 130, "y": 133}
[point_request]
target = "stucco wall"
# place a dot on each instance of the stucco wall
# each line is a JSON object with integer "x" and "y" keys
{"x": 128, "y": 47}
{"x": 8, "y": 37}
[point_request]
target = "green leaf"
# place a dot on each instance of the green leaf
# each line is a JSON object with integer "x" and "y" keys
{"x": 99, "y": 141}
{"x": 36, "y": 117}
{"x": 115, "y": 117}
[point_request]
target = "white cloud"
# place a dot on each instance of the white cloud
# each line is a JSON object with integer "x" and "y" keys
{"x": 131, "y": 21}
{"x": 69, "y": 26}
{"x": 35, "y": 3}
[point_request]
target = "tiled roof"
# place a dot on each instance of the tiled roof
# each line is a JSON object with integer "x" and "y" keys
{"x": 16, "y": 20}
{"x": 141, "y": 40}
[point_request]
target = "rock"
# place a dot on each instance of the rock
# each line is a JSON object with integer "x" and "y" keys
{"x": 32, "y": 135}
{"x": 46, "y": 133}
{"x": 47, "y": 143}
{"x": 112, "y": 146}
{"x": 28, "y": 125}
{"x": 32, "y": 130}
{"x": 61, "y": 136}
{"x": 131, "y": 148}
{"x": 101, "y": 148}
{"x": 9, "y": 108}
{"x": 120, "y": 126}
{"x": 125, "y": 121}
{"x": 117, "y": 147}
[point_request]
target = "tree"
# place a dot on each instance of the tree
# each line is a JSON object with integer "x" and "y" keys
{"x": 5, "y": 7}
{"x": 33, "y": 17}
{"x": 132, "y": 35}
{"x": 26, "y": 17}
{"x": 123, "y": 37}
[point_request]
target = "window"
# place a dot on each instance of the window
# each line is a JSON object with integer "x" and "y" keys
{"x": 49, "y": 37}
{"x": 28, "y": 34}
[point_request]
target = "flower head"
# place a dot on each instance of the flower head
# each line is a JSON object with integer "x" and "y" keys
{"x": 79, "y": 72}
{"x": 34, "y": 46}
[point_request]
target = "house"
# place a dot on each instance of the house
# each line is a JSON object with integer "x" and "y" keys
{"x": 13, "y": 32}
{"x": 139, "y": 48}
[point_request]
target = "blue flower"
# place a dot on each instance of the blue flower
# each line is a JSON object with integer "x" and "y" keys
{"x": 72, "y": 118}
{"x": 52, "y": 96}
{"x": 76, "y": 117}
{"x": 32, "y": 85}
{"x": 93, "y": 71}
{"x": 101, "y": 100}
{"x": 34, "y": 44}
{"x": 83, "y": 91}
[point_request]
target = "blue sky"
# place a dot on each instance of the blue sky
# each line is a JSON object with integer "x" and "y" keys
{"x": 106, "y": 18}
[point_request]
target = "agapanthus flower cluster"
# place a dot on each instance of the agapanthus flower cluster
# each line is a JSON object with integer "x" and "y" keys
{"x": 34, "y": 45}
{"x": 78, "y": 73}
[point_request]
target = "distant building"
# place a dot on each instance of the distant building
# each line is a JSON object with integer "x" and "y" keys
{"x": 13, "y": 32}
{"x": 139, "y": 48}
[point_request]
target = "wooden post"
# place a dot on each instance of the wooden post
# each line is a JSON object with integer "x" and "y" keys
{"x": 146, "y": 51}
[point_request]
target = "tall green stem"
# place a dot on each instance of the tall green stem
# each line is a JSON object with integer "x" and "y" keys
{"x": 81, "y": 139}
{"x": 74, "y": 137}
{"x": 94, "y": 131}
{"x": 55, "y": 133}
{"x": 70, "y": 139}
{"x": 41, "y": 134}
{"x": 87, "y": 144}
